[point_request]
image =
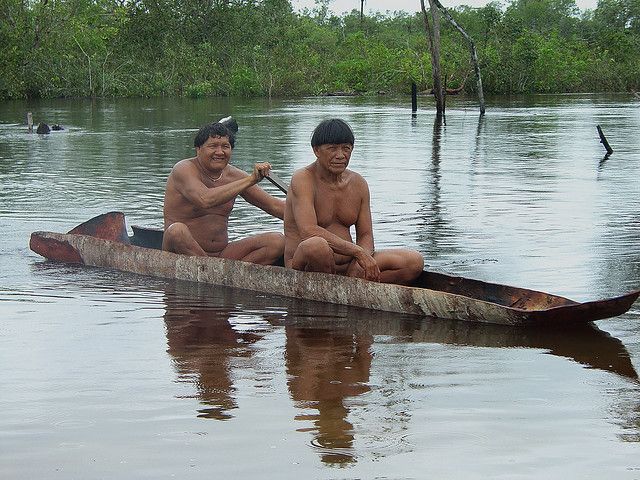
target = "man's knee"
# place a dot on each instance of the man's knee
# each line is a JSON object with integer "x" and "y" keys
{"x": 316, "y": 247}
{"x": 413, "y": 266}
{"x": 274, "y": 243}
{"x": 401, "y": 266}
{"x": 275, "y": 240}
{"x": 174, "y": 234}
{"x": 314, "y": 254}
{"x": 415, "y": 261}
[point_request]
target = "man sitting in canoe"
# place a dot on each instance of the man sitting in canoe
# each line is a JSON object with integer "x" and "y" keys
{"x": 324, "y": 200}
{"x": 199, "y": 197}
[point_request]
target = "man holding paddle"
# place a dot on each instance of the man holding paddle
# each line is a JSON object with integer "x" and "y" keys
{"x": 200, "y": 195}
{"x": 324, "y": 200}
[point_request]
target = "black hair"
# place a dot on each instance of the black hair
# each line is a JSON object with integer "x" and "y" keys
{"x": 213, "y": 130}
{"x": 332, "y": 131}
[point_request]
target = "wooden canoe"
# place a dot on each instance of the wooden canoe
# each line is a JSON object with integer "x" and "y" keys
{"x": 103, "y": 242}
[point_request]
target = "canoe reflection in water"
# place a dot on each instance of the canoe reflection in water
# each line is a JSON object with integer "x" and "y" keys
{"x": 328, "y": 352}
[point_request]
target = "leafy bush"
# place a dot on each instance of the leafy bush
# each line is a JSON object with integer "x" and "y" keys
{"x": 166, "y": 48}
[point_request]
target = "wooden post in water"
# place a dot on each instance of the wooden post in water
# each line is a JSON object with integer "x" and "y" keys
{"x": 603, "y": 140}
{"x": 414, "y": 97}
{"x": 30, "y": 122}
{"x": 432, "y": 30}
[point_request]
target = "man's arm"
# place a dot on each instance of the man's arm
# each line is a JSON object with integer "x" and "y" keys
{"x": 364, "y": 234}
{"x": 264, "y": 201}
{"x": 364, "y": 224}
{"x": 188, "y": 183}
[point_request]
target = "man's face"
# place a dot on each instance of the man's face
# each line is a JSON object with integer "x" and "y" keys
{"x": 334, "y": 157}
{"x": 215, "y": 153}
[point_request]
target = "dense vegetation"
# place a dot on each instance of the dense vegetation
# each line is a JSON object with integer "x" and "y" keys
{"x": 62, "y": 48}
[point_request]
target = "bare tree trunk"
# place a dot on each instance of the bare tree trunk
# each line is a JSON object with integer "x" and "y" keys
{"x": 433, "y": 36}
{"x": 472, "y": 48}
{"x": 89, "y": 62}
{"x": 104, "y": 76}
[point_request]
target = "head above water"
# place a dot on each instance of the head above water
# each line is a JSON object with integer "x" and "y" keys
{"x": 213, "y": 130}
{"x": 333, "y": 131}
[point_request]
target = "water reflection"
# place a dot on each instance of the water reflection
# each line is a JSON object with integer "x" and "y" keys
{"x": 328, "y": 355}
{"x": 603, "y": 161}
{"x": 478, "y": 139}
{"x": 586, "y": 344}
{"x": 326, "y": 367}
{"x": 202, "y": 342}
{"x": 433, "y": 226}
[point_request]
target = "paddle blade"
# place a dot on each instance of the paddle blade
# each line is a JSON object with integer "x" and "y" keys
{"x": 230, "y": 123}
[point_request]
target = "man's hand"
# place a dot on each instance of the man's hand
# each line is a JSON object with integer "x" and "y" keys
{"x": 260, "y": 170}
{"x": 364, "y": 266}
{"x": 355, "y": 270}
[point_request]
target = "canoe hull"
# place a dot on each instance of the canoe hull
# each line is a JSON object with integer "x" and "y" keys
{"x": 119, "y": 255}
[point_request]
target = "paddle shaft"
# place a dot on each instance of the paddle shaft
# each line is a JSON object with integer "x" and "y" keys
{"x": 278, "y": 182}
{"x": 232, "y": 125}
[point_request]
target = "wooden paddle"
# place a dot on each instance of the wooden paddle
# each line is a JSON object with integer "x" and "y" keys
{"x": 278, "y": 182}
{"x": 232, "y": 125}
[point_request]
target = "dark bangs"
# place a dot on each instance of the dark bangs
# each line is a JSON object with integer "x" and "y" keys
{"x": 213, "y": 130}
{"x": 332, "y": 131}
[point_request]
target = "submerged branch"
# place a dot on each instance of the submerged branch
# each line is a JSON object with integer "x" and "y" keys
{"x": 603, "y": 141}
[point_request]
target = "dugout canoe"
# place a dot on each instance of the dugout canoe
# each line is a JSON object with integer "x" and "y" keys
{"x": 103, "y": 241}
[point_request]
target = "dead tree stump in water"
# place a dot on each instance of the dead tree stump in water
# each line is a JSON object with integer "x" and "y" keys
{"x": 603, "y": 140}
{"x": 414, "y": 97}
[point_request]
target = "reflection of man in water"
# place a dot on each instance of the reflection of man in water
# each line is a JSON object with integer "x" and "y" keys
{"x": 326, "y": 367}
{"x": 203, "y": 344}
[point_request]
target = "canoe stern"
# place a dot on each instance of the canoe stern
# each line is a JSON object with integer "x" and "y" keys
{"x": 54, "y": 249}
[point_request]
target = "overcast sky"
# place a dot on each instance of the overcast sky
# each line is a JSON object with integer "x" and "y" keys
{"x": 340, "y": 6}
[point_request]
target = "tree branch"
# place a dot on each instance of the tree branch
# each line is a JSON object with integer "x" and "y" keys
{"x": 472, "y": 48}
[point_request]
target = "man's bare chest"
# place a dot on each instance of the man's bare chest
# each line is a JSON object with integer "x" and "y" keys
{"x": 193, "y": 210}
{"x": 336, "y": 207}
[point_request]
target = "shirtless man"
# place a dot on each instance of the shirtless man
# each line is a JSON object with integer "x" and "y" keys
{"x": 325, "y": 199}
{"x": 199, "y": 197}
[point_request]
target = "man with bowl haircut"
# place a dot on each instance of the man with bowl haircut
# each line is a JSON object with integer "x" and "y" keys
{"x": 199, "y": 198}
{"x": 324, "y": 200}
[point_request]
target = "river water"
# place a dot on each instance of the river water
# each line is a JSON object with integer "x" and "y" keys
{"x": 112, "y": 375}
